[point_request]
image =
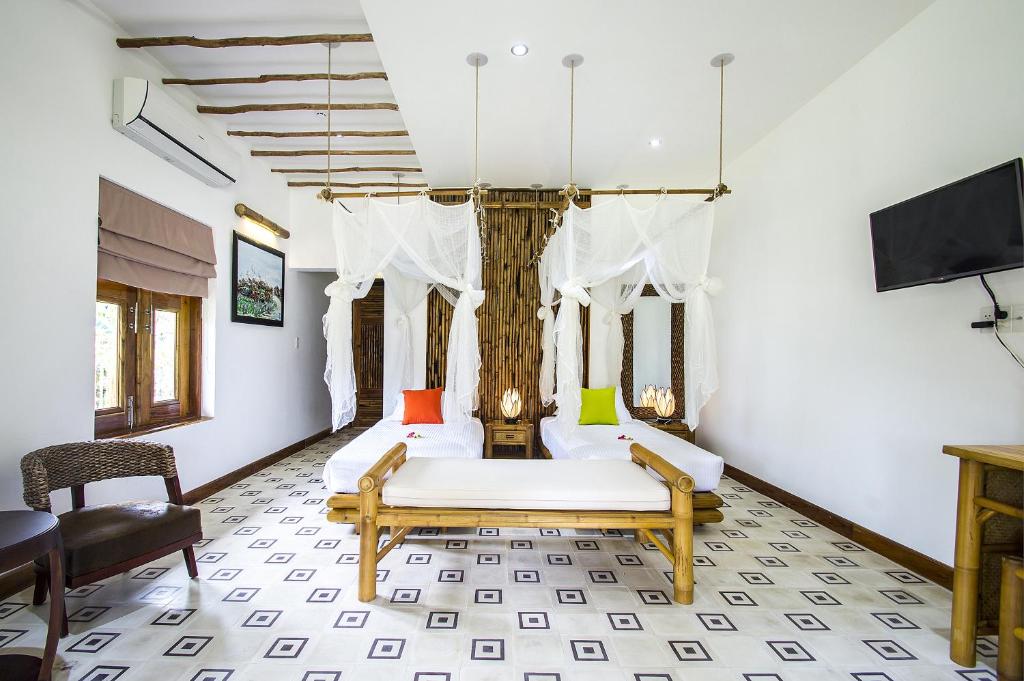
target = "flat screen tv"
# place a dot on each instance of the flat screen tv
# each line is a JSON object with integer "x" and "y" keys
{"x": 970, "y": 227}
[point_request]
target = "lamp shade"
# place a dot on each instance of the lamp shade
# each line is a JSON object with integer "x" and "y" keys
{"x": 647, "y": 396}
{"x": 511, "y": 403}
{"x": 664, "y": 403}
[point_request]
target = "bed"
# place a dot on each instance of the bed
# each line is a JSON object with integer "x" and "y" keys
{"x": 343, "y": 470}
{"x": 602, "y": 442}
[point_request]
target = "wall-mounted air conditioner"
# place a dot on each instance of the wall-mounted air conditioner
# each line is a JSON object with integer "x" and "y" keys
{"x": 148, "y": 115}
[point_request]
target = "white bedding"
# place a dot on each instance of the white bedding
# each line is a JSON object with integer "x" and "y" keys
{"x": 348, "y": 464}
{"x": 601, "y": 442}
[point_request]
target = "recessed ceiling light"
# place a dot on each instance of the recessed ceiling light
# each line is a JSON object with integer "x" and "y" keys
{"x": 520, "y": 49}
{"x": 655, "y": 142}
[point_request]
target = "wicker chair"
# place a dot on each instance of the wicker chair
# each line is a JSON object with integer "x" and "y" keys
{"x": 106, "y": 540}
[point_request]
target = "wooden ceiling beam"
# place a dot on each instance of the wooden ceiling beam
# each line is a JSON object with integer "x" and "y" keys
{"x": 318, "y": 133}
{"x": 357, "y": 185}
{"x": 276, "y": 77}
{"x": 357, "y": 169}
{"x": 244, "y": 41}
{"x": 297, "y": 106}
{"x": 333, "y": 152}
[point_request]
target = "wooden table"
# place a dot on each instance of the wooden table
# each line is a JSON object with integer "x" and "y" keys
{"x": 677, "y": 428}
{"x": 501, "y": 433}
{"x": 25, "y": 536}
{"x": 973, "y": 510}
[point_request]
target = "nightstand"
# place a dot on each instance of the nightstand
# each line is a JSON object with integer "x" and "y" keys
{"x": 504, "y": 434}
{"x": 677, "y": 428}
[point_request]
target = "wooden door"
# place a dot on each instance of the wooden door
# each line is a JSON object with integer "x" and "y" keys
{"x": 368, "y": 351}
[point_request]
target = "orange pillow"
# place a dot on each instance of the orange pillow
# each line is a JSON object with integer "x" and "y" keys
{"x": 422, "y": 406}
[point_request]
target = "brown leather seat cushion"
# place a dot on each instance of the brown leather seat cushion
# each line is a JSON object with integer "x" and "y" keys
{"x": 97, "y": 537}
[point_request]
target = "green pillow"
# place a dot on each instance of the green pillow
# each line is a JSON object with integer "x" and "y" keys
{"x": 598, "y": 407}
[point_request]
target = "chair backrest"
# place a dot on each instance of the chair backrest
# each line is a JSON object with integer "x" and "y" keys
{"x": 77, "y": 463}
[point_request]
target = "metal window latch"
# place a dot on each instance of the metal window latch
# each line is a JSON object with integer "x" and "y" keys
{"x": 130, "y": 411}
{"x": 133, "y": 322}
{"x": 149, "y": 317}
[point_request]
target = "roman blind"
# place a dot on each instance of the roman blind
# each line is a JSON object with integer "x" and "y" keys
{"x": 150, "y": 246}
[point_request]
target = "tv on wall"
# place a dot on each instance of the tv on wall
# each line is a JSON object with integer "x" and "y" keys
{"x": 970, "y": 227}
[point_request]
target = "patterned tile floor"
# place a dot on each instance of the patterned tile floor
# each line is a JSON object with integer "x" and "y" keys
{"x": 778, "y": 598}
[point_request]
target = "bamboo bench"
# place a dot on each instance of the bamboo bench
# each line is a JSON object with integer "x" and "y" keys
{"x": 589, "y": 494}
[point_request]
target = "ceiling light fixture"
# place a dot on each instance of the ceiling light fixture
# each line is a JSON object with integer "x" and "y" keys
{"x": 655, "y": 142}
{"x": 520, "y": 49}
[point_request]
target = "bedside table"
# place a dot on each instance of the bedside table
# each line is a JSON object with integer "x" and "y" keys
{"x": 677, "y": 428}
{"x": 501, "y": 433}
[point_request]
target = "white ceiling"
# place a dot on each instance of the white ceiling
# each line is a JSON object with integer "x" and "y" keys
{"x": 646, "y": 74}
{"x": 213, "y": 19}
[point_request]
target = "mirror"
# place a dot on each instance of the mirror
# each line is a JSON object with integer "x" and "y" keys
{"x": 652, "y": 343}
{"x": 652, "y": 352}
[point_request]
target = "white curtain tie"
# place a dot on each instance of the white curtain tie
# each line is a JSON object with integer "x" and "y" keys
{"x": 544, "y": 312}
{"x": 575, "y": 291}
{"x": 476, "y": 296}
{"x": 711, "y": 285}
{"x": 610, "y": 316}
{"x": 339, "y": 290}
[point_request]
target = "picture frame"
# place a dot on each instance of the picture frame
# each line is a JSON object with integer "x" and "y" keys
{"x": 257, "y": 282}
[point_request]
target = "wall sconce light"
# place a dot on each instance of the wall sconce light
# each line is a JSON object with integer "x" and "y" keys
{"x": 511, "y": 405}
{"x": 243, "y": 211}
{"x": 664, "y": 404}
{"x": 647, "y": 396}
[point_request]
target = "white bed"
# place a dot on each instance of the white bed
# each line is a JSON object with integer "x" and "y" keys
{"x": 344, "y": 468}
{"x": 602, "y": 442}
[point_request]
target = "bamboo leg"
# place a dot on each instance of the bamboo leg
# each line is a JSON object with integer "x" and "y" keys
{"x": 1010, "y": 663}
{"x": 368, "y": 536}
{"x": 682, "y": 544}
{"x": 966, "y": 561}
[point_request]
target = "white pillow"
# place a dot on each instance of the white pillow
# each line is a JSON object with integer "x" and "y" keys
{"x": 399, "y": 413}
{"x": 621, "y": 412}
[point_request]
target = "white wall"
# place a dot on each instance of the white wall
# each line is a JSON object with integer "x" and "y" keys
{"x": 834, "y": 392}
{"x": 57, "y": 142}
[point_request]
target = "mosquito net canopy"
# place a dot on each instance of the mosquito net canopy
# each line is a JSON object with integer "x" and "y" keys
{"x": 608, "y": 253}
{"x": 415, "y": 246}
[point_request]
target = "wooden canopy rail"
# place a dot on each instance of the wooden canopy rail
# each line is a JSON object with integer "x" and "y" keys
{"x": 318, "y": 133}
{"x": 296, "y": 106}
{"x": 354, "y": 169}
{"x": 675, "y": 524}
{"x": 245, "y": 41}
{"x": 277, "y": 77}
{"x": 356, "y": 185}
{"x": 540, "y": 204}
{"x": 333, "y": 152}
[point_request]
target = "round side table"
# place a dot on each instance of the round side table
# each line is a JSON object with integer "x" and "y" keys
{"x": 25, "y": 536}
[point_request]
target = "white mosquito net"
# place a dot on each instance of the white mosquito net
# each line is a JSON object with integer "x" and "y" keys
{"x": 609, "y": 252}
{"x": 416, "y": 246}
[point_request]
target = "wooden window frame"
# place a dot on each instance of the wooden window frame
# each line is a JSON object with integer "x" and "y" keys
{"x": 137, "y": 412}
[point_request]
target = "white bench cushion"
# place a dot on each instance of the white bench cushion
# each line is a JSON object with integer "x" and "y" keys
{"x": 525, "y": 484}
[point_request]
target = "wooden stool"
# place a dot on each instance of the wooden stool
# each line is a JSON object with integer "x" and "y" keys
{"x": 1010, "y": 663}
{"x": 25, "y": 536}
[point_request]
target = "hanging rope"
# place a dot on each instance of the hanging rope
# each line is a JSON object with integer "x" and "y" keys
{"x": 476, "y": 191}
{"x": 721, "y": 116}
{"x": 720, "y": 61}
{"x": 476, "y": 127}
{"x": 326, "y": 194}
{"x": 572, "y": 114}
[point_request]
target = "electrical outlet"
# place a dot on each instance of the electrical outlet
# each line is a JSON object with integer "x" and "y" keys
{"x": 1014, "y": 322}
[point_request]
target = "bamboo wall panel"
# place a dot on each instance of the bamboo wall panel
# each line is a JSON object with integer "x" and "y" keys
{"x": 510, "y": 332}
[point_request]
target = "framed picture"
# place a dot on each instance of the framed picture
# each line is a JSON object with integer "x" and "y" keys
{"x": 257, "y": 283}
